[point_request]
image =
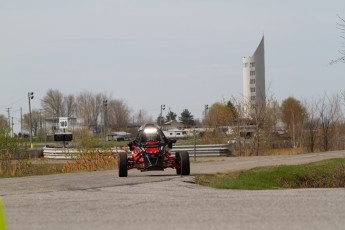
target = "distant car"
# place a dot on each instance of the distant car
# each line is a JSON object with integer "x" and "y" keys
{"x": 150, "y": 151}
{"x": 25, "y": 135}
{"x": 120, "y": 136}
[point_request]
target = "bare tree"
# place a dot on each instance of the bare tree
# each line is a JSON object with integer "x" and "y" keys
{"x": 254, "y": 123}
{"x": 118, "y": 114}
{"x": 273, "y": 114}
{"x": 53, "y": 103}
{"x": 312, "y": 124}
{"x": 3, "y": 122}
{"x": 36, "y": 119}
{"x": 89, "y": 107}
{"x": 70, "y": 105}
{"x": 293, "y": 116}
{"x": 142, "y": 117}
{"x": 258, "y": 116}
{"x": 330, "y": 114}
{"x": 84, "y": 108}
{"x": 341, "y": 27}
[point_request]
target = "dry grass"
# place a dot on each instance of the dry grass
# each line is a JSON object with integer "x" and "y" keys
{"x": 289, "y": 151}
{"x": 26, "y": 167}
{"x": 324, "y": 174}
{"x": 272, "y": 152}
{"x": 6, "y": 166}
{"x": 213, "y": 138}
{"x": 90, "y": 161}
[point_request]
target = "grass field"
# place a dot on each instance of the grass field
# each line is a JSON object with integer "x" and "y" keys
{"x": 323, "y": 174}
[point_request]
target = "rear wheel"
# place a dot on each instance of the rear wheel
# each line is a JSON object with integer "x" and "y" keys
{"x": 184, "y": 164}
{"x": 178, "y": 162}
{"x": 122, "y": 164}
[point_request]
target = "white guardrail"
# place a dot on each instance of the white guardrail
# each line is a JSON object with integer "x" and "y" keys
{"x": 204, "y": 150}
{"x": 68, "y": 153}
{"x": 200, "y": 150}
{"x": 60, "y": 153}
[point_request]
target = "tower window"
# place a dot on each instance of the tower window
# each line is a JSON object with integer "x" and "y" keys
{"x": 245, "y": 65}
{"x": 252, "y": 90}
{"x": 253, "y": 98}
{"x": 252, "y": 73}
{"x": 252, "y": 64}
{"x": 252, "y": 81}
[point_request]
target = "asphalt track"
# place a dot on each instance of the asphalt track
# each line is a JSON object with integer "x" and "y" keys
{"x": 162, "y": 200}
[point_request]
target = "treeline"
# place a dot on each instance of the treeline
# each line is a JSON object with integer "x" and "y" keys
{"x": 92, "y": 111}
{"x": 315, "y": 125}
{"x": 90, "y": 108}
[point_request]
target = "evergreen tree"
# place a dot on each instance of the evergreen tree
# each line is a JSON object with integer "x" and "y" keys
{"x": 233, "y": 110}
{"x": 160, "y": 120}
{"x": 186, "y": 118}
{"x": 171, "y": 116}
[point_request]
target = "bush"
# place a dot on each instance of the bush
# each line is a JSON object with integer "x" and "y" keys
{"x": 214, "y": 137}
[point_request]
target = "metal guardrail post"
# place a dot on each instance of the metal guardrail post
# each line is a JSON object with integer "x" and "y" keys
{"x": 194, "y": 144}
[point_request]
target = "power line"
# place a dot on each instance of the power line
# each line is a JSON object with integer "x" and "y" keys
{"x": 15, "y": 102}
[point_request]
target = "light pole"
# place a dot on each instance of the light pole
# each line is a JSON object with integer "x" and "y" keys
{"x": 206, "y": 108}
{"x": 30, "y": 97}
{"x": 160, "y": 117}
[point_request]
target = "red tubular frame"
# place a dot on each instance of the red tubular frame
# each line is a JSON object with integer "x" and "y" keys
{"x": 135, "y": 161}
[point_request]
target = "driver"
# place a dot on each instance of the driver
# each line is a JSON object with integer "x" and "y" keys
{"x": 151, "y": 134}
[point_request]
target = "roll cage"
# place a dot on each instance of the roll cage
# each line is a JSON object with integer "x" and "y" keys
{"x": 150, "y": 135}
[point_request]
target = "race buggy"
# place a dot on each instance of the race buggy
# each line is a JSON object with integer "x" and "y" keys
{"x": 150, "y": 151}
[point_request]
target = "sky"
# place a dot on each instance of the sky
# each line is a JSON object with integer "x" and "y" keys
{"x": 180, "y": 53}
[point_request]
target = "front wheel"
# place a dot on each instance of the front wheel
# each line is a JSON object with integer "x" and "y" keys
{"x": 183, "y": 158}
{"x": 122, "y": 164}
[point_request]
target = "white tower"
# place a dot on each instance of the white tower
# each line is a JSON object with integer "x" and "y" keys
{"x": 254, "y": 80}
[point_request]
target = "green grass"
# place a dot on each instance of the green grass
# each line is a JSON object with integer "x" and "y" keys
{"x": 323, "y": 174}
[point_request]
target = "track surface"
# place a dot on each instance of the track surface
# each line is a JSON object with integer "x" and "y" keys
{"x": 162, "y": 200}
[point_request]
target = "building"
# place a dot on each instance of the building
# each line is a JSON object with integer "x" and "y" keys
{"x": 254, "y": 92}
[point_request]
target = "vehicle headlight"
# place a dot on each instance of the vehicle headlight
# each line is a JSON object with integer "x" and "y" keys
{"x": 150, "y": 130}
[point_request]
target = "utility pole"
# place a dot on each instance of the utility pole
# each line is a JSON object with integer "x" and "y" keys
{"x": 30, "y": 97}
{"x": 40, "y": 120}
{"x": 12, "y": 127}
{"x": 140, "y": 117}
{"x": 21, "y": 121}
{"x": 160, "y": 117}
{"x": 9, "y": 118}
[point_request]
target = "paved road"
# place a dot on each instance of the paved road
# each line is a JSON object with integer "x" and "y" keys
{"x": 162, "y": 200}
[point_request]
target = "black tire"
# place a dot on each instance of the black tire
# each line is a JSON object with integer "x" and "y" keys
{"x": 185, "y": 164}
{"x": 122, "y": 164}
{"x": 178, "y": 162}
